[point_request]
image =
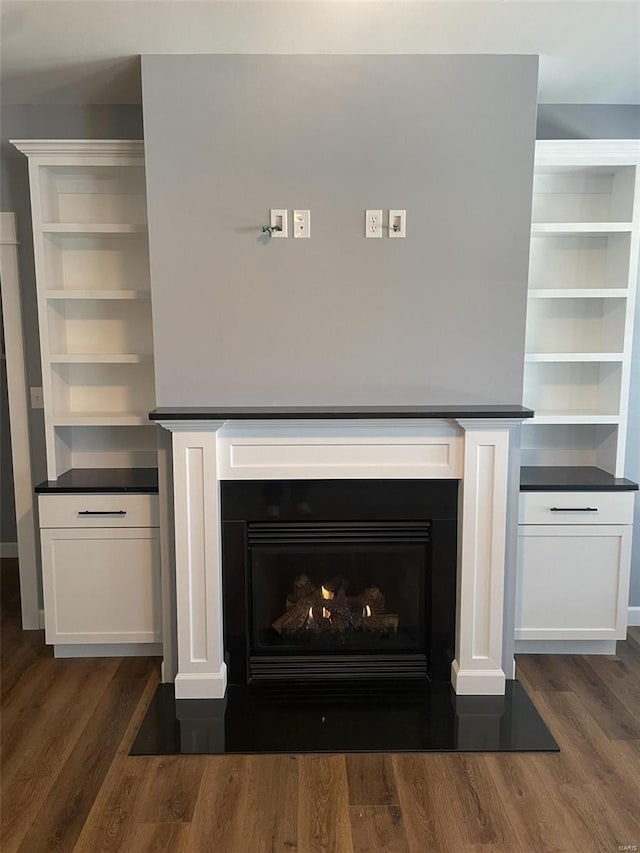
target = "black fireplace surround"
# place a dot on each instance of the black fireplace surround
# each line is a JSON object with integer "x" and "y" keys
{"x": 339, "y": 579}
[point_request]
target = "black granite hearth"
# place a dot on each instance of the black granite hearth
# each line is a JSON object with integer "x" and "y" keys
{"x": 335, "y": 717}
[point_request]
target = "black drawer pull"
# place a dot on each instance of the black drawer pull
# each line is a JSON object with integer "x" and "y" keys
{"x": 102, "y": 512}
{"x": 573, "y": 509}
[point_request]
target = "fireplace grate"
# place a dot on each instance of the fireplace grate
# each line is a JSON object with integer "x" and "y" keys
{"x": 320, "y": 667}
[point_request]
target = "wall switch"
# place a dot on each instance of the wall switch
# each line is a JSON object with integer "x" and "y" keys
{"x": 280, "y": 221}
{"x": 373, "y": 223}
{"x": 301, "y": 223}
{"x": 397, "y": 223}
{"x": 37, "y": 400}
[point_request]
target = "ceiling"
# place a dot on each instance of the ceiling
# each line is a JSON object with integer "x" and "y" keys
{"x": 86, "y": 51}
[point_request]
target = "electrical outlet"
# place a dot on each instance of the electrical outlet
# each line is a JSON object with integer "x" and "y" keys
{"x": 37, "y": 400}
{"x": 373, "y": 223}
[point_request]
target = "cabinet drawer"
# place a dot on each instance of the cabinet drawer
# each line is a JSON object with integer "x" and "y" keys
{"x": 576, "y": 507}
{"x": 94, "y": 510}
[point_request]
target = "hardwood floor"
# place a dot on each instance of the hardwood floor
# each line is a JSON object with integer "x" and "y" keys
{"x": 69, "y": 784}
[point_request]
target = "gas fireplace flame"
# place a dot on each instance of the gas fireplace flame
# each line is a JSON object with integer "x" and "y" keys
{"x": 311, "y": 614}
{"x": 366, "y": 610}
{"x": 327, "y": 594}
{"x": 326, "y": 614}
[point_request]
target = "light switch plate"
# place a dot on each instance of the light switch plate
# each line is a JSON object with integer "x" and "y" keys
{"x": 301, "y": 223}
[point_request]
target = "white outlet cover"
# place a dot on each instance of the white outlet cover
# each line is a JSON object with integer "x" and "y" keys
{"x": 373, "y": 223}
{"x": 301, "y": 223}
{"x": 397, "y": 223}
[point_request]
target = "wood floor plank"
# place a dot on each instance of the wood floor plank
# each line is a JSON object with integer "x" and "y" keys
{"x": 159, "y": 838}
{"x": 426, "y": 800}
{"x": 218, "y": 818}
{"x": 61, "y": 817}
{"x": 621, "y": 674}
{"x": 476, "y": 803}
{"x": 323, "y": 805}
{"x": 271, "y": 822}
{"x": 173, "y": 788}
{"x": 375, "y": 829}
{"x": 371, "y": 780}
{"x": 609, "y": 712}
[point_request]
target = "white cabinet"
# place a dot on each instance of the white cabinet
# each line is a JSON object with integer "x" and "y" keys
{"x": 100, "y": 572}
{"x": 100, "y": 551}
{"x": 574, "y": 556}
{"x": 574, "y": 547}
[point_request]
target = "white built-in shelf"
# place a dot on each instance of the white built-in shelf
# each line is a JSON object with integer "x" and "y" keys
{"x": 101, "y": 358}
{"x": 585, "y": 228}
{"x": 575, "y": 417}
{"x": 98, "y": 294}
{"x": 101, "y": 419}
{"x": 92, "y": 228}
{"x": 573, "y": 356}
{"x": 579, "y": 293}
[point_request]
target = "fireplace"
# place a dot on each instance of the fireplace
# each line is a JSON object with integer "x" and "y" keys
{"x": 213, "y": 450}
{"x": 339, "y": 579}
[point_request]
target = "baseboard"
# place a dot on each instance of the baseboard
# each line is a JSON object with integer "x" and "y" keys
{"x": 107, "y": 650}
{"x": 9, "y": 550}
{"x": 565, "y": 647}
{"x": 633, "y": 617}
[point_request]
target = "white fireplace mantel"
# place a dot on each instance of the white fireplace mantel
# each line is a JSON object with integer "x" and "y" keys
{"x": 474, "y": 450}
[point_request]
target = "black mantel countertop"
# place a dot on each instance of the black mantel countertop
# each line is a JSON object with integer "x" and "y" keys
{"x": 229, "y": 413}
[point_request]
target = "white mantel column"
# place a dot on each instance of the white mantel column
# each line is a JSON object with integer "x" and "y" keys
{"x": 202, "y": 672}
{"x": 477, "y": 667}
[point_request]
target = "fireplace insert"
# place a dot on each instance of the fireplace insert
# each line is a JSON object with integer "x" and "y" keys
{"x": 339, "y": 579}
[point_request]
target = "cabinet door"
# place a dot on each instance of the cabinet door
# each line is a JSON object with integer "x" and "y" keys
{"x": 101, "y": 585}
{"x": 572, "y": 582}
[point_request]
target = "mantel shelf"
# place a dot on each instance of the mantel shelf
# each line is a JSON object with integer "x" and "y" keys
{"x": 98, "y": 294}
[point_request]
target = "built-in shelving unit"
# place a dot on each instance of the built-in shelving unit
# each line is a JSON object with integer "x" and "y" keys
{"x": 576, "y": 508}
{"x": 92, "y": 269}
{"x": 582, "y": 282}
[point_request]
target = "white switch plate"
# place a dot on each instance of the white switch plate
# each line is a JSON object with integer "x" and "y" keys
{"x": 373, "y": 223}
{"x": 279, "y": 219}
{"x": 301, "y": 223}
{"x": 397, "y": 223}
{"x": 37, "y": 400}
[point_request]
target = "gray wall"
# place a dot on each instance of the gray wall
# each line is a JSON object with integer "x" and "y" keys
{"x": 435, "y": 318}
{"x": 35, "y": 121}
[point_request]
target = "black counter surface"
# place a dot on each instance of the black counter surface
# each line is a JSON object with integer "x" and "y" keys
{"x": 571, "y": 479}
{"x": 225, "y": 413}
{"x": 101, "y": 481}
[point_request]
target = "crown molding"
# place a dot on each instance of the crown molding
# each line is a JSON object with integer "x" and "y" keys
{"x": 74, "y": 147}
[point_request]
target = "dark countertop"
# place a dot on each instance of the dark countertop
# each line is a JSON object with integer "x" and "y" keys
{"x": 572, "y": 479}
{"x": 101, "y": 481}
{"x": 228, "y": 413}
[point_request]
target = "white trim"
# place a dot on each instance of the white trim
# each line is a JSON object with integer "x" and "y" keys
{"x": 8, "y": 550}
{"x": 19, "y": 422}
{"x": 108, "y": 650}
{"x": 75, "y": 147}
{"x": 198, "y": 685}
{"x": 633, "y": 616}
{"x": 565, "y": 647}
{"x": 201, "y": 458}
